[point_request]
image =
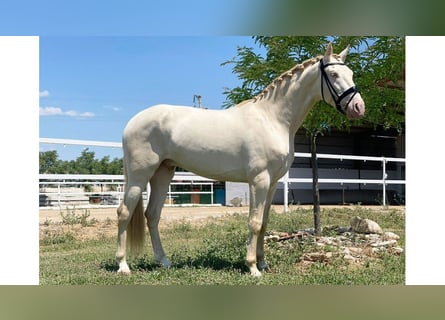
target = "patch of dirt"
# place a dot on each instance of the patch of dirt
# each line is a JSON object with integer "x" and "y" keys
{"x": 105, "y": 219}
{"x": 102, "y": 222}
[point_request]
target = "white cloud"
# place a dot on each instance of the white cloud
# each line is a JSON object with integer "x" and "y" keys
{"x": 44, "y": 93}
{"x": 71, "y": 113}
{"x": 56, "y": 111}
{"x": 50, "y": 111}
{"x": 87, "y": 114}
{"x": 112, "y": 108}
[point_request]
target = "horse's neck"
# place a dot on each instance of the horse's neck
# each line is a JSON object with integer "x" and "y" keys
{"x": 289, "y": 103}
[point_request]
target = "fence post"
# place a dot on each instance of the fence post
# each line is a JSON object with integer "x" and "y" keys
{"x": 58, "y": 194}
{"x": 119, "y": 191}
{"x": 170, "y": 201}
{"x": 286, "y": 191}
{"x": 384, "y": 176}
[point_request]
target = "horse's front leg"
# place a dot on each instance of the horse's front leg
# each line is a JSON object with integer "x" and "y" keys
{"x": 261, "y": 262}
{"x": 259, "y": 189}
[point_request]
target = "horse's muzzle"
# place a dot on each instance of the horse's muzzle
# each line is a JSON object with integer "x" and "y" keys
{"x": 356, "y": 107}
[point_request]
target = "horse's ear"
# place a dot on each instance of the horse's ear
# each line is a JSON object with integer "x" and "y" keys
{"x": 344, "y": 53}
{"x": 328, "y": 52}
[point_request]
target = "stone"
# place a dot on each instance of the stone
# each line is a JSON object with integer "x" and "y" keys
{"x": 272, "y": 237}
{"x": 388, "y": 243}
{"x": 343, "y": 229}
{"x": 317, "y": 256}
{"x": 236, "y": 202}
{"x": 378, "y": 249}
{"x": 396, "y": 250}
{"x": 360, "y": 225}
{"x": 355, "y": 251}
{"x": 370, "y": 237}
{"x": 330, "y": 241}
{"x": 391, "y": 236}
{"x": 348, "y": 255}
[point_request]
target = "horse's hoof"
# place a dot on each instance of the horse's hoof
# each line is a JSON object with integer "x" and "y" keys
{"x": 263, "y": 266}
{"x": 165, "y": 263}
{"x": 255, "y": 273}
{"x": 124, "y": 271}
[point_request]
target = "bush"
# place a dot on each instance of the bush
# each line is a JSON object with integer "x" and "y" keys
{"x": 72, "y": 218}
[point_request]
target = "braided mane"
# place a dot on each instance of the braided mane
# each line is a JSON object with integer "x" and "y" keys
{"x": 297, "y": 70}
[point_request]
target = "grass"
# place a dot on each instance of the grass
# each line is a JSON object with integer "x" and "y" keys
{"x": 214, "y": 253}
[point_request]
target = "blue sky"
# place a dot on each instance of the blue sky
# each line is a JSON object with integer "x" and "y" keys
{"x": 91, "y": 86}
{"x": 131, "y": 17}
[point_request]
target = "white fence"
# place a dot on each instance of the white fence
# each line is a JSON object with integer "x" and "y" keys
{"x": 384, "y": 181}
{"x": 185, "y": 178}
{"x": 63, "y": 190}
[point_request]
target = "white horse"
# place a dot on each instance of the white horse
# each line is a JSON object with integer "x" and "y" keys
{"x": 252, "y": 142}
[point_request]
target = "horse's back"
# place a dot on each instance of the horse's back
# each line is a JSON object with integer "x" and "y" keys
{"x": 207, "y": 142}
{"x": 181, "y": 123}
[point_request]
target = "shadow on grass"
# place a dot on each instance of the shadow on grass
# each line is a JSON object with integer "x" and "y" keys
{"x": 146, "y": 263}
{"x": 143, "y": 263}
{"x": 212, "y": 262}
{"x": 224, "y": 252}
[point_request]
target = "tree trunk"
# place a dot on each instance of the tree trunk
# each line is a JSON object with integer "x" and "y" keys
{"x": 315, "y": 190}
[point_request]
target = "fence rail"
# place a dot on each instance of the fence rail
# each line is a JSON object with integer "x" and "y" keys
{"x": 188, "y": 178}
{"x": 55, "y": 188}
{"x": 383, "y": 181}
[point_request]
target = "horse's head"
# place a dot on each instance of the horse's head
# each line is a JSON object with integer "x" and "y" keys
{"x": 336, "y": 78}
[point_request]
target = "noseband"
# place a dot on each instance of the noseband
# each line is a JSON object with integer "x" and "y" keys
{"x": 337, "y": 98}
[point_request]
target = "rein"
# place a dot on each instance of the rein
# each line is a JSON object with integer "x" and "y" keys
{"x": 337, "y": 98}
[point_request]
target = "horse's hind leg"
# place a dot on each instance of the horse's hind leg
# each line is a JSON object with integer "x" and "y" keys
{"x": 131, "y": 202}
{"x": 159, "y": 186}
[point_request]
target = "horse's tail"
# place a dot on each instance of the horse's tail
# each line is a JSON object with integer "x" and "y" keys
{"x": 136, "y": 225}
{"x": 136, "y": 229}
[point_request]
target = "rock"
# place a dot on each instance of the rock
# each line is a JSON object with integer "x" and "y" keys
{"x": 360, "y": 225}
{"x": 391, "y": 236}
{"x": 348, "y": 255}
{"x": 395, "y": 250}
{"x": 343, "y": 229}
{"x": 307, "y": 230}
{"x": 317, "y": 256}
{"x": 371, "y": 237}
{"x": 236, "y": 202}
{"x": 388, "y": 243}
{"x": 378, "y": 249}
{"x": 272, "y": 237}
{"x": 355, "y": 251}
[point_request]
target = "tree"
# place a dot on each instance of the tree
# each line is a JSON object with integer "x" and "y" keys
{"x": 116, "y": 166}
{"x": 48, "y": 161}
{"x": 86, "y": 163}
{"x": 378, "y": 65}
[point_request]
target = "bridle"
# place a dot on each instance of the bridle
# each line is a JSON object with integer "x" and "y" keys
{"x": 337, "y": 98}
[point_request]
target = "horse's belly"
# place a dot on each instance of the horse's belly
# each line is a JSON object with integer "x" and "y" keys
{"x": 212, "y": 165}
